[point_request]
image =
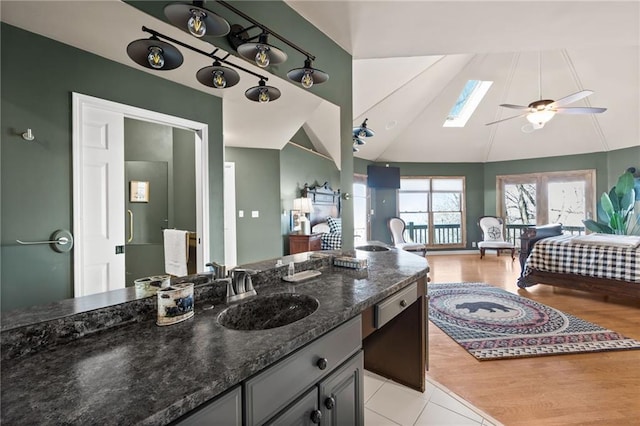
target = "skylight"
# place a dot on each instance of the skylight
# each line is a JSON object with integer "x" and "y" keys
{"x": 467, "y": 102}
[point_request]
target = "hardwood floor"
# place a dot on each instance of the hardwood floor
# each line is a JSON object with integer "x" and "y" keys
{"x": 582, "y": 389}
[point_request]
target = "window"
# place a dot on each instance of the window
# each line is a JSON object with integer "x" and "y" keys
{"x": 433, "y": 208}
{"x": 542, "y": 198}
{"x": 467, "y": 102}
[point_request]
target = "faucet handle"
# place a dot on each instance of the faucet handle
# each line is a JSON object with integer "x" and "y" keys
{"x": 230, "y": 291}
{"x": 248, "y": 284}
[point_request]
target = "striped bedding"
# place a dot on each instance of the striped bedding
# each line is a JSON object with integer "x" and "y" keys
{"x": 562, "y": 254}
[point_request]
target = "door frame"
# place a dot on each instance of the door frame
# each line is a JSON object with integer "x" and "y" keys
{"x": 201, "y": 169}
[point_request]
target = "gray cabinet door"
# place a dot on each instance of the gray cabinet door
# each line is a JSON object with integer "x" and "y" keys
{"x": 225, "y": 410}
{"x": 303, "y": 412}
{"x": 341, "y": 394}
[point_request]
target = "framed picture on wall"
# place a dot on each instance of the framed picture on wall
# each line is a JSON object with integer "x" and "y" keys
{"x": 139, "y": 191}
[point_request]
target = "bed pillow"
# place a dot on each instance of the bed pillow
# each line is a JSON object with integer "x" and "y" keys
{"x": 331, "y": 241}
{"x": 321, "y": 228}
{"x": 335, "y": 225}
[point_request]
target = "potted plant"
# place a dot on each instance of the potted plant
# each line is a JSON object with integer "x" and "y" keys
{"x": 619, "y": 210}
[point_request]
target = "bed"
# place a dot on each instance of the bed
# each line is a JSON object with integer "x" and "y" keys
{"x": 325, "y": 217}
{"x": 608, "y": 265}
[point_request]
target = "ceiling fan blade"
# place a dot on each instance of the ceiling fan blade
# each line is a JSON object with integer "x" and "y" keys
{"x": 579, "y": 110}
{"x": 571, "y": 98}
{"x": 514, "y": 106}
{"x": 505, "y": 119}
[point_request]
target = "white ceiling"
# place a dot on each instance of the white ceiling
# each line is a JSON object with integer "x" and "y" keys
{"x": 412, "y": 58}
{"x": 410, "y": 61}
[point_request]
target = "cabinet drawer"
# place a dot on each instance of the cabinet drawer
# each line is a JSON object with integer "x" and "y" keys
{"x": 394, "y": 304}
{"x": 274, "y": 388}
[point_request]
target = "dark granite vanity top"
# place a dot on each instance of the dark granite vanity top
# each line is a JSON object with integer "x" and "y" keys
{"x": 140, "y": 373}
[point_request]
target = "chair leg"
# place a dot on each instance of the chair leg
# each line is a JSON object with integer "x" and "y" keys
{"x": 481, "y": 253}
{"x": 513, "y": 254}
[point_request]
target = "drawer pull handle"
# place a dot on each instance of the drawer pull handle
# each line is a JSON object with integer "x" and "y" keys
{"x": 322, "y": 363}
{"x": 403, "y": 303}
{"x": 330, "y": 403}
{"x": 316, "y": 416}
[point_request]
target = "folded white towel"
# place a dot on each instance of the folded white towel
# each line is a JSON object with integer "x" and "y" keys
{"x": 176, "y": 250}
{"x": 625, "y": 241}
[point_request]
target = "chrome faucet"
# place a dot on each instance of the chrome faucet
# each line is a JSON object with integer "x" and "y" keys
{"x": 219, "y": 271}
{"x": 240, "y": 285}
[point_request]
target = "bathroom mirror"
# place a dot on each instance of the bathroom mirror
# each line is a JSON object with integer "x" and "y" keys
{"x": 245, "y": 124}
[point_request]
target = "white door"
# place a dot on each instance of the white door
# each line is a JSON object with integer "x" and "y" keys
{"x": 101, "y": 219}
{"x": 230, "y": 251}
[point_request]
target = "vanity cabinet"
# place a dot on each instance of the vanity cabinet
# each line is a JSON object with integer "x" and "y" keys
{"x": 395, "y": 336}
{"x": 299, "y": 387}
{"x": 223, "y": 410}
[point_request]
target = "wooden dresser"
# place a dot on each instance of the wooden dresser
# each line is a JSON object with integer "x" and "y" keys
{"x": 299, "y": 243}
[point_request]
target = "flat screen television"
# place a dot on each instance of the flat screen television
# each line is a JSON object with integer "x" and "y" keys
{"x": 383, "y": 177}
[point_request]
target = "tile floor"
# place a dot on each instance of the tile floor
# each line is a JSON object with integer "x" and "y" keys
{"x": 390, "y": 404}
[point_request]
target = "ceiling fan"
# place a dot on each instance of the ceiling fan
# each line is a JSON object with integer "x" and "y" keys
{"x": 538, "y": 113}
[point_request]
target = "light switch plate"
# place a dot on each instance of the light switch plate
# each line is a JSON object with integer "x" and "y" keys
{"x": 255, "y": 213}
{"x": 240, "y": 213}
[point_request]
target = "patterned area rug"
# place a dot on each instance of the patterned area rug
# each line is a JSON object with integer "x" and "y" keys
{"x": 492, "y": 323}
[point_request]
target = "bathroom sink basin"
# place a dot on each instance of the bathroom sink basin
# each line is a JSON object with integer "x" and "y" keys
{"x": 265, "y": 312}
{"x": 372, "y": 248}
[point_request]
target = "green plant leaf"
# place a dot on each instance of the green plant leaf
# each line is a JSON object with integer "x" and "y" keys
{"x": 627, "y": 200}
{"x": 597, "y": 227}
{"x": 614, "y": 199}
{"x": 624, "y": 185}
{"x": 607, "y": 206}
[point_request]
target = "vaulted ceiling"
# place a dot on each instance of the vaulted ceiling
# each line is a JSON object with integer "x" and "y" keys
{"x": 412, "y": 58}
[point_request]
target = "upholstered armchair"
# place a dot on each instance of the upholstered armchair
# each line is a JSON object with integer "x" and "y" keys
{"x": 493, "y": 231}
{"x": 397, "y": 227}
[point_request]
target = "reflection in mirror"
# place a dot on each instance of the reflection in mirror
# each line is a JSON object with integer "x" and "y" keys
{"x": 245, "y": 124}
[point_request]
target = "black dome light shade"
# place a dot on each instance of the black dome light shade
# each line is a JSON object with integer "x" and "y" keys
{"x": 196, "y": 20}
{"x": 261, "y": 52}
{"x": 218, "y": 76}
{"x": 262, "y": 93}
{"x": 307, "y": 75}
{"x": 139, "y": 51}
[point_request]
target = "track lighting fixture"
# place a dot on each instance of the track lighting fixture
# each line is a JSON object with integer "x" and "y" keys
{"x": 358, "y": 141}
{"x": 196, "y": 20}
{"x": 307, "y": 75}
{"x": 157, "y": 54}
{"x": 262, "y": 93}
{"x": 363, "y": 131}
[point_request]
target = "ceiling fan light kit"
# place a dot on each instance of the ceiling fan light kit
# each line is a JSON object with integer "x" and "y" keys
{"x": 157, "y": 52}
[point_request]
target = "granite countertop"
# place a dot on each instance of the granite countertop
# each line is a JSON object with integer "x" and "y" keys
{"x": 140, "y": 373}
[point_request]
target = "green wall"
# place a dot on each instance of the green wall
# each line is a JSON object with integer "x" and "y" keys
{"x": 36, "y": 176}
{"x": 619, "y": 161}
{"x": 257, "y": 189}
